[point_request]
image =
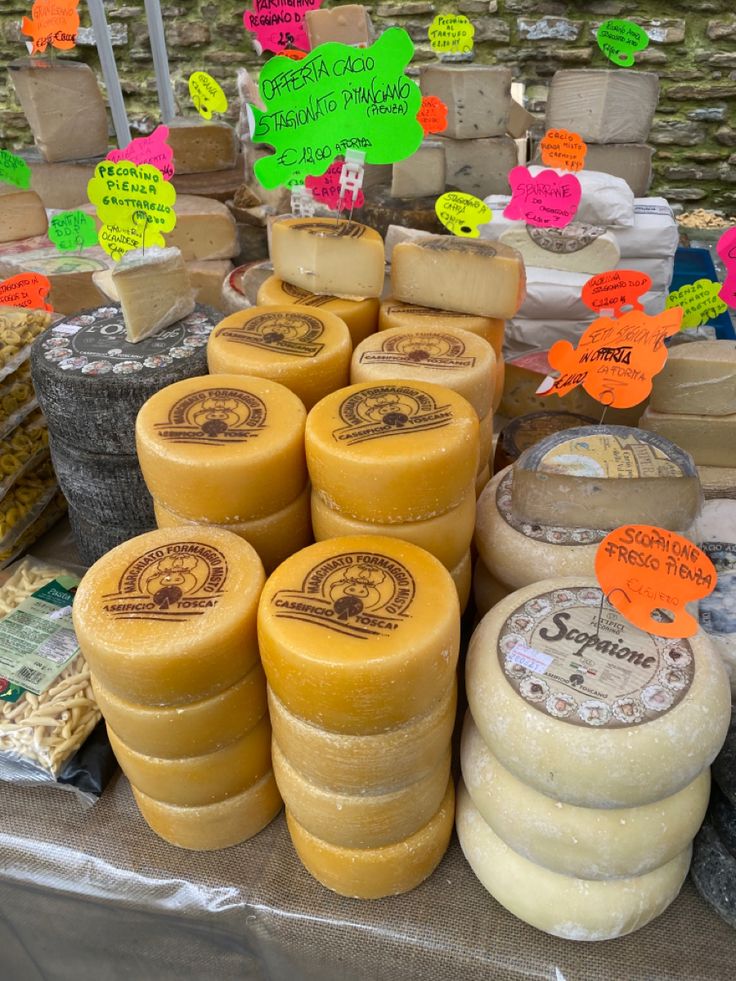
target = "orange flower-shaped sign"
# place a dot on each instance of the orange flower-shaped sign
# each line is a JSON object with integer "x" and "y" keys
{"x": 615, "y": 289}
{"x": 432, "y": 115}
{"x": 54, "y": 23}
{"x": 28, "y": 289}
{"x": 563, "y": 149}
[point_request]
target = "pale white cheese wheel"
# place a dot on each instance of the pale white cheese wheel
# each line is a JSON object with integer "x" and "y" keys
{"x": 588, "y": 842}
{"x": 563, "y": 905}
{"x": 598, "y": 717}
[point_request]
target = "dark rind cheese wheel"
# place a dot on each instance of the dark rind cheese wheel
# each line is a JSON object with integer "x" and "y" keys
{"x": 94, "y": 538}
{"x": 714, "y": 873}
{"x": 381, "y": 210}
{"x": 722, "y": 815}
{"x": 724, "y": 766}
{"x": 90, "y": 382}
{"x": 525, "y": 431}
{"x": 102, "y": 484}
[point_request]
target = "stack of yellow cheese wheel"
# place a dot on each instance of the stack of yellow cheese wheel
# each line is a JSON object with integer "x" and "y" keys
{"x": 360, "y": 316}
{"x": 359, "y": 638}
{"x": 167, "y": 623}
{"x": 306, "y": 349}
{"x": 228, "y": 450}
{"x": 398, "y": 458}
{"x": 448, "y": 356}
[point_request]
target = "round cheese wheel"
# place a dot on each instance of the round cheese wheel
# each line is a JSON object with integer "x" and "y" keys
{"x": 186, "y": 730}
{"x": 211, "y": 826}
{"x": 93, "y": 539}
{"x": 395, "y": 452}
{"x": 303, "y": 348}
{"x": 359, "y": 634}
{"x": 366, "y": 819}
{"x": 385, "y": 761}
{"x": 275, "y": 537}
{"x": 481, "y": 480}
{"x": 223, "y": 448}
{"x": 485, "y": 442}
{"x": 409, "y": 317}
{"x": 170, "y": 616}
{"x": 563, "y": 905}
{"x": 714, "y": 872}
{"x": 462, "y": 576}
{"x": 240, "y": 287}
{"x": 525, "y": 431}
{"x": 191, "y": 781}
{"x": 588, "y": 842}
{"x": 518, "y": 553}
{"x": 594, "y": 715}
{"x": 487, "y": 590}
{"x": 451, "y": 357}
{"x": 447, "y": 536}
{"x": 360, "y": 316}
{"x": 372, "y": 873}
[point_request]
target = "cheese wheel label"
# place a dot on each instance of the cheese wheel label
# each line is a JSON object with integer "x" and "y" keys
{"x": 431, "y": 349}
{"x": 387, "y": 410}
{"x": 305, "y": 298}
{"x": 287, "y": 333}
{"x": 172, "y": 583}
{"x": 431, "y": 313}
{"x": 554, "y": 655}
{"x": 542, "y": 533}
{"x": 359, "y": 594}
{"x": 450, "y": 243}
{"x": 215, "y": 417}
{"x": 565, "y": 241}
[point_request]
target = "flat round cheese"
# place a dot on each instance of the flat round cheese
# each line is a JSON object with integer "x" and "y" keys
{"x": 525, "y": 431}
{"x": 487, "y": 590}
{"x": 593, "y": 715}
{"x": 360, "y": 316}
{"x": 240, "y": 286}
{"x": 714, "y": 873}
{"x": 410, "y": 317}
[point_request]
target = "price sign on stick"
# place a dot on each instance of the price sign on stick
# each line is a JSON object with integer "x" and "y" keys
{"x": 27, "y": 289}
{"x": 451, "y": 34}
{"x": 727, "y": 251}
{"x": 701, "y": 302}
{"x": 134, "y": 200}
{"x": 327, "y": 188}
{"x": 620, "y": 39}
{"x": 462, "y": 213}
{"x": 547, "y": 200}
{"x": 14, "y": 170}
{"x": 53, "y": 23}
{"x": 562, "y": 149}
{"x": 72, "y": 230}
{"x": 279, "y": 24}
{"x": 206, "y": 94}
{"x": 432, "y": 115}
{"x": 153, "y": 150}
{"x": 616, "y": 289}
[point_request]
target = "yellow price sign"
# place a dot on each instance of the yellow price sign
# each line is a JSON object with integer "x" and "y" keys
{"x": 206, "y": 94}
{"x": 462, "y": 213}
{"x": 134, "y": 203}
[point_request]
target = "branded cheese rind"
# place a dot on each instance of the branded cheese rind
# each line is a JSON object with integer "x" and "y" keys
{"x": 23, "y": 214}
{"x": 191, "y": 781}
{"x": 367, "y": 819}
{"x": 304, "y": 348}
{"x": 603, "y": 105}
{"x": 349, "y": 764}
{"x": 593, "y": 715}
{"x": 153, "y": 289}
{"x": 447, "y": 536}
{"x": 212, "y": 826}
{"x": 478, "y": 97}
{"x": 448, "y": 357}
{"x": 170, "y": 616}
{"x": 487, "y": 589}
{"x": 577, "y": 247}
{"x": 392, "y": 452}
{"x": 223, "y": 448}
{"x": 709, "y": 439}
{"x": 201, "y": 146}
{"x": 411, "y": 317}
{"x": 359, "y": 634}
{"x": 466, "y": 275}
{"x": 563, "y": 905}
{"x": 275, "y": 536}
{"x": 360, "y": 316}
{"x": 587, "y": 842}
{"x": 607, "y": 476}
{"x": 324, "y": 255}
{"x": 194, "y": 729}
{"x": 697, "y": 379}
{"x": 372, "y": 873}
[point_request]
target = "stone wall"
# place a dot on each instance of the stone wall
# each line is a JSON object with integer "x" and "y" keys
{"x": 693, "y": 48}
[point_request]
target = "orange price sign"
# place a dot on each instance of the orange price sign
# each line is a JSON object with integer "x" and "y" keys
{"x": 293, "y": 53}
{"x": 432, "y": 115}
{"x": 615, "y": 360}
{"x": 616, "y": 289}
{"x": 54, "y": 23}
{"x": 26, "y": 290}
{"x": 562, "y": 149}
{"x": 648, "y": 573}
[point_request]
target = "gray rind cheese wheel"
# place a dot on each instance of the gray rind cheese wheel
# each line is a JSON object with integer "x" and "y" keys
{"x": 381, "y": 210}
{"x": 90, "y": 382}
{"x": 722, "y": 816}
{"x": 724, "y": 767}
{"x": 94, "y": 538}
{"x": 102, "y": 484}
{"x": 714, "y": 873}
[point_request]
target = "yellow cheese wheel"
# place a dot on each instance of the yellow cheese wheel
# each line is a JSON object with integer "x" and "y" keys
{"x": 366, "y": 819}
{"x": 487, "y": 590}
{"x": 360, "y": 316}
{"x": 481, "y": 480}
{"x": 447, "y": 536}
{"x": 451, "y": 357}
{"x": 485, "y": 441}
{"x": 359, "y": 634}
{"x": 275, "y": 537}
{"x": 191, "y": 781}
{"x": 170, "y": 616}
{"x": 371, "y": 873}
{"x": 462, "y": 576}
{"x": 211, "y": 826}
{"x": 186, "y": 730}
{"x": 499, "y": 379}
{"x": 304, "y": 348}
{"x": 409, "y": 316}
{"x": 348, "y": 764}
{"x": 395, "y": 452}
{"x": 223, "y": 448}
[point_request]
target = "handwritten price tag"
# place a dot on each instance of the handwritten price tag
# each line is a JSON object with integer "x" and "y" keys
{"x": 279, "y": 24}
{"x": 643, "y": 569}
{"x": 615, "y": 360}
{"x": 616, "y": 289}
{"x": 432, "y": 115}
{"x": 700, "y": 301}
{"x": 72, "y": 230}
{"x": 53, "y": 23}
{"x": 451, "y": 34}
{"x": 26, "y": 290}
{"x": 14, "y": 170}
{"x": 546, "y": 201}
{"x": 153, "y": 150}
{"x": 562, "y": 149}
{"x": 726, "y": 249}
{"x": 327, "y": 188}
{"x": 206, "y": 94}
{"x": 620, "y": 39}
{"x": 462, "y": 213}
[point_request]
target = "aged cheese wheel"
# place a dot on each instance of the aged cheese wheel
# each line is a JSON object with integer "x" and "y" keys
{"x": 714, "y": 873}
{"x": 170, "y": 616}
{"x": 367, "y": 819}
{"x": 395, "y": 452}
{"x": 447, "y": 536}
{"x": 525, "y": 431}
{"x": 386, "y": 760}
{"x": 303, "y": 348}
{"x": 382, "y": 209}
{"x": 93, "y": 539}
{"x": 593, "y": 715}
{"x": 588, "y": 842}
{"x": 724, "y": 766}
{"x": 172, "y": 731}
{"x": 487, "y": 590}
{"x": 211, "y": 826}
{"x": 360, "y": 316}
{"x": 359, "y": 634}
{"x": 411, "y": 317}
{"x": 563, "y": 905}
{"x": 223, "y": 448}
{"x": 371, "y": 873}
{"x": 240, "y": 287}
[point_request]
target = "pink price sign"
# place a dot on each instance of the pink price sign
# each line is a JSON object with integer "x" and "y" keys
{"x": 545, "y": 201}
{"x": 279, "y": 24}
{"x": 327, "y": 189}
{"x": 727, "y": 251}
{"x": 151, "y": 149}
